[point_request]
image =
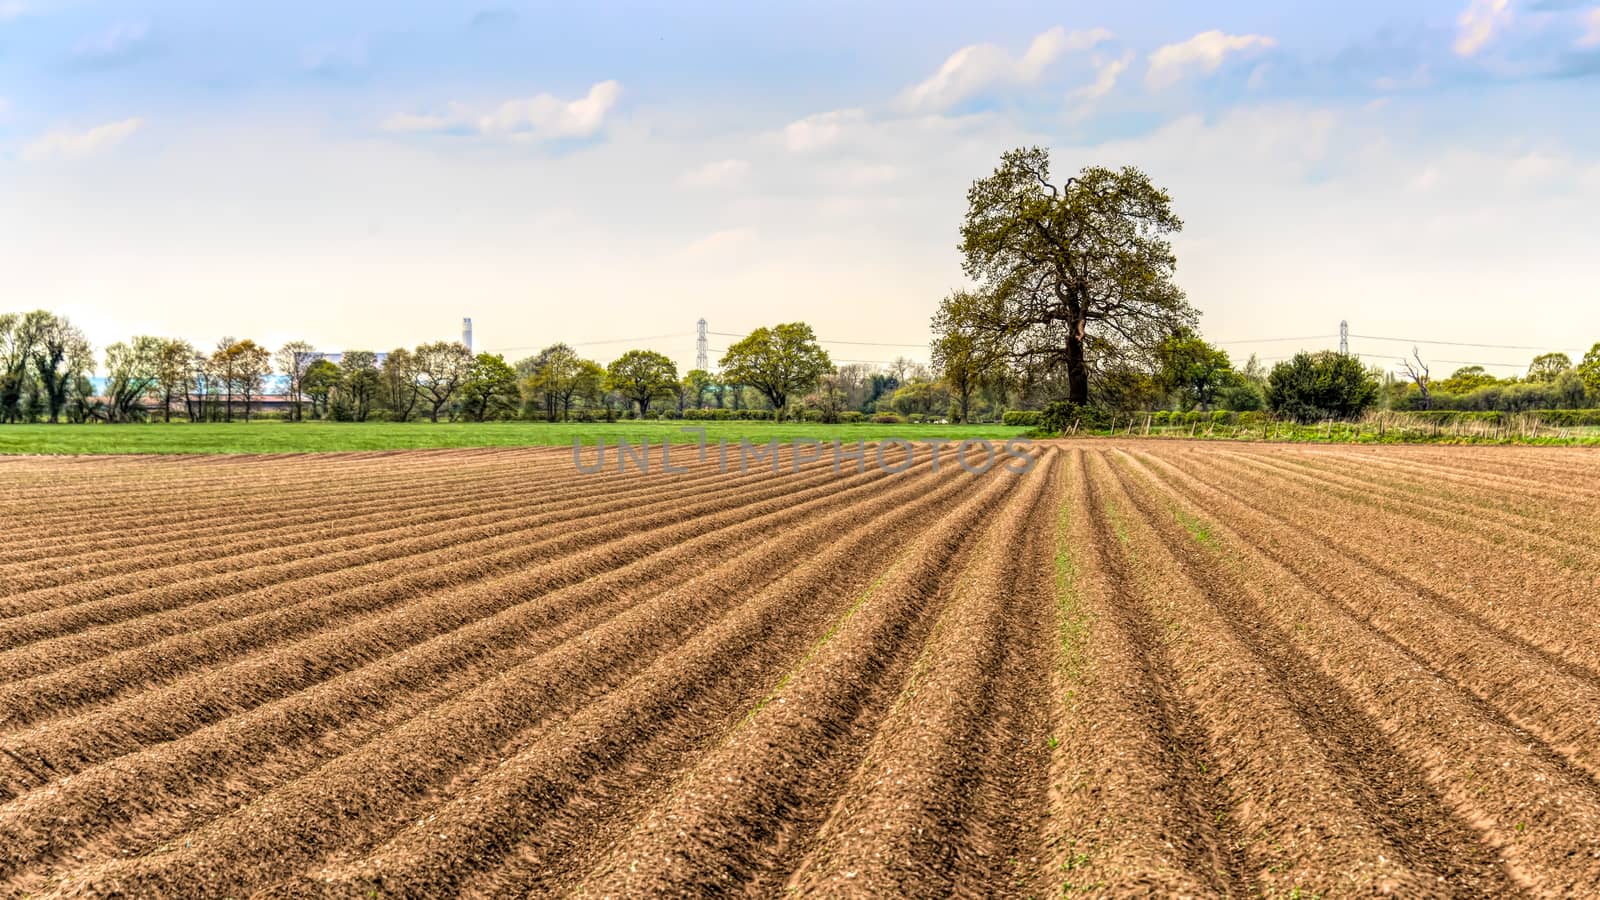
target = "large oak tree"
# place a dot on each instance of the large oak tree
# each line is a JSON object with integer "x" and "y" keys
{"x": 1084, "y": 268}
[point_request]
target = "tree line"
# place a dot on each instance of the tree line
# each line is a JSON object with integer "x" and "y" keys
{"x": 774, "y": 372}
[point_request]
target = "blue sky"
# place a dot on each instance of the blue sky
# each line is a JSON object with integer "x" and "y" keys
{"x": 364, "y": 174}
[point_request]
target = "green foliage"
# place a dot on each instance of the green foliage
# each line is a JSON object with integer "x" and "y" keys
{"x": 643, "y": 376}
{"x": 1242, "y": 394}
{"x": 1063, "y": 415}
{"x": 1327, "y": 385}
{"x": 1547, "y": 366}
{"x": 360, "y": 383}
{"x": 132, "y": 370}
{"x": 319, "y": 381}
{"x": 1083, "y": 270}
{"x": 778, "y": 361}
{"x": 1465, "y": 380}
{"x": 441, "y": 368}
{"x": 1589, "y": 371}
{"x": 490, "y": 388}
{"x": 1192, "y": 369}
{"x": 968, "y": 346}
{"x": 1025, "y": 418}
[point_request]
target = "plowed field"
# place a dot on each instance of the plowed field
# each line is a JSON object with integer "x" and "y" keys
{"x": 1142, "y": 667}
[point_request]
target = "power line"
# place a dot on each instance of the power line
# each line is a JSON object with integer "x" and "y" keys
{"x": 826, "y": 341}
{"x": 1314, "y": 337}
{"x": 651, "y": 337}
{"x": 1368, "y": 337}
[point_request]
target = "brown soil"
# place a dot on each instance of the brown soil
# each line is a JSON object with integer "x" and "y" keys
{"x": 1144, "y": 668}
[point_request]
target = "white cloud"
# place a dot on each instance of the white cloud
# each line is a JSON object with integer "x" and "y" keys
{"x": 1591, "y": 37}
{"x": 1204, "y": 53}
{"x": 1106, "y": 74}
{"x": 979, "y": 67}
{"x": 539, "y": 118}
{"x": 721, "y": 173}
{"x": 1478, "y": 23}
{"x": 9, "y": 11}
{"x": 116, "y": 43}
{"x": 78, "y": 144}
{"x": 820, "y": 130}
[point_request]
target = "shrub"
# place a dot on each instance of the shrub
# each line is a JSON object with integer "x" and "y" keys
{"x": 1161, "y": 417}
{"x": 1060, "y": 416}
{"x": 886, "y": 419}
{"x": 851, "y": 417}
{"x": 1327, "y": 385}
{"x": 1222, "y": 417}
{"x": 1021, "y": 418}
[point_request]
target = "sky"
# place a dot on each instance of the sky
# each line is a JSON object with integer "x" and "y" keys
{"x": 364, "y": 174}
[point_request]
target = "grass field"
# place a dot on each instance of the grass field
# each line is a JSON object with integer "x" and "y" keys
{"x": 306, "y": 437}
{"x": 1153, "y": 668}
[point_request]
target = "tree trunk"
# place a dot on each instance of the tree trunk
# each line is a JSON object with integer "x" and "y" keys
{"x": 1077, "y": 368}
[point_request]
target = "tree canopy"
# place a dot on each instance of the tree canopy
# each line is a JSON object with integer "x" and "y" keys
{"x": 780, "y": 361}
{"x": 643, "y": 376}
{"x": 1325, "y": 385}
{"x": 1192, "y": 369}
{"x": 1084, "y": 269}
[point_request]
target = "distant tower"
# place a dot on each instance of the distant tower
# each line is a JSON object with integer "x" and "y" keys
{"x": 701, "y": 360}
{"x": 1344, "y": 338}
{"x": 466, "y": 332}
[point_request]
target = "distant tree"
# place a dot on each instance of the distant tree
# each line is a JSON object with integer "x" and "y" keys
{"x": 778, "y": 361}
{"x": 921, "y": 396}
{"x": 132, "y": 370}
{"x": 319, "y": 381}
{"x": 490, "y": 387}
{"x": 643, "y": 376}
{"x": 1192, "y": 369}
{"x": 400, "y": 392}
{"x": 254, "y": 365}
{"x": 360, "y": 381}
{"x": 967, "y": 344}
{"x": 1465, "y": 380}
{"x": 695, "y": 386}
{"x": 174, "y": 374}
{"x": 589, "y": 386}
{"x": 442, "y": 368}
{"x": 223, "y": 373}
{"x": 1254, "y": 371}
{"x": 1419, "y": 375}
{"x": 552, "y": 379}
{"x": 292, "y": 360}
{"x": 1084, "y": 268}
{"x": 202, "y": 400}
{"x": 1546, "y": 366}
{"x": 60, "y": 354}
{"x": 1589, "y": 371}
{"x": 829, "y": 399}
{"x": 1312, "y": 387}
{"x": 1242, "y": 394}
{"x": 16, "y": 352}
{"x": 81, "y": 403}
